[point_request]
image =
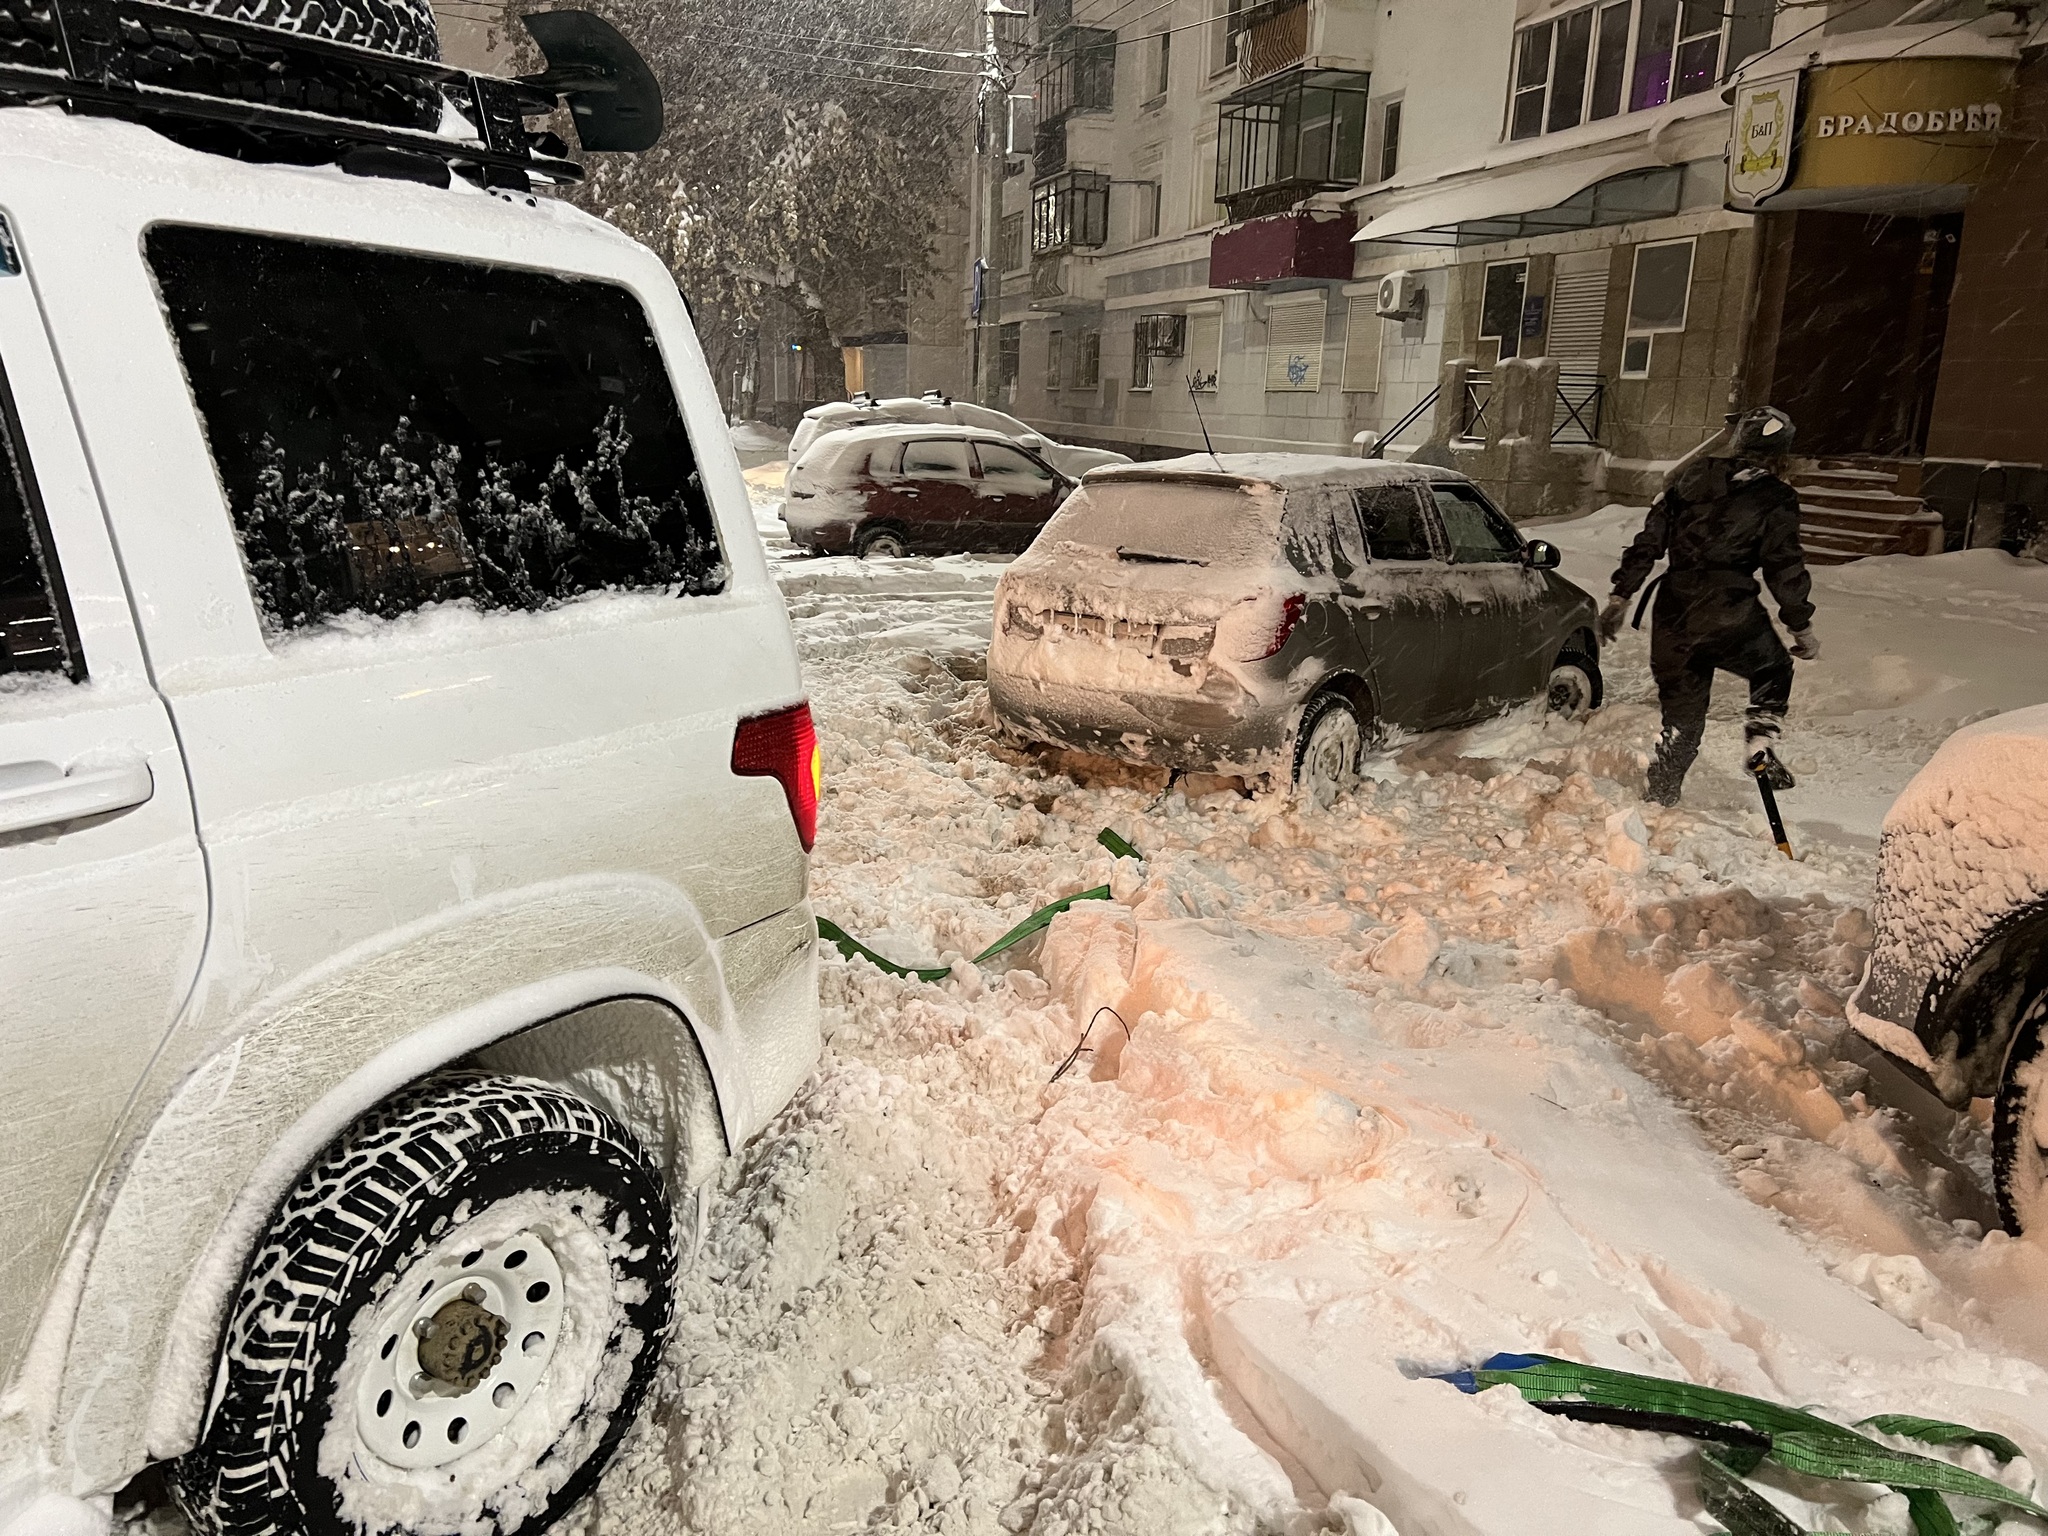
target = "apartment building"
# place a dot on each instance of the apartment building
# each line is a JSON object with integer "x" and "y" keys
{"x": 1507, "y": 234}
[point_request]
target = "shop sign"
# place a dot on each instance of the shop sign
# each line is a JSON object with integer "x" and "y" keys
{"x": 1898, "y": 135}
{"x": 1760, "y": 157}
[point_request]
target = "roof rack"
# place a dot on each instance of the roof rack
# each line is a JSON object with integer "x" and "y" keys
{"x": 263, "y": 93}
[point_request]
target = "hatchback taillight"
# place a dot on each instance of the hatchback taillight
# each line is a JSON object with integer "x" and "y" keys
{"x": 1292, "y": 607}
{"x": 784, "y": 746}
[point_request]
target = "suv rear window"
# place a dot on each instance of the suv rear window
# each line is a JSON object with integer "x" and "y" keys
{"x": 392, "y": 430}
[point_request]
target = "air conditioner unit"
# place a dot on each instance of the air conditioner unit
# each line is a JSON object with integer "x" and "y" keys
{"x": 1163, "y": 335}
{"x": 1402, "y": 297}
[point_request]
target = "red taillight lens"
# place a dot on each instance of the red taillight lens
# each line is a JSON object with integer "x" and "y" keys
{"x": 1292, "y": 607}
{"x": 784, "y": 746}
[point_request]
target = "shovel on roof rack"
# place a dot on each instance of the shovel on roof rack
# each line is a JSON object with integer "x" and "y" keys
{"x": 612, "y": 94}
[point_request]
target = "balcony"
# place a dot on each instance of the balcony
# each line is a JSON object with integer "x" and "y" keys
{"x": 1069, "y": 211}
{"x": 1288, "y": 137}
{"x": 1281, "y": 250}
{"x": 1273, "y": 38}
{"x": 1078, "y": 75}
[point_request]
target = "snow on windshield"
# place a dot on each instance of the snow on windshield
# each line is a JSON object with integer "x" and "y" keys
{"x": 1200, "y": 524}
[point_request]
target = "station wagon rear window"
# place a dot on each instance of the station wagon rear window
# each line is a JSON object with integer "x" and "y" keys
{"x": 392, "y": 430}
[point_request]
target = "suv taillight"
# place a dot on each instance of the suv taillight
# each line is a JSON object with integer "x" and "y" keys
{"x": 784, "y": 746}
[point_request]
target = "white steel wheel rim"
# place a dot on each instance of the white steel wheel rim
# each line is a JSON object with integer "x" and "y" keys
{"x": 1571, "y": 692}
{"x": 1331, "y": 760}
{"x": 411, "y": 1420}
{"x": 887, "y": 545}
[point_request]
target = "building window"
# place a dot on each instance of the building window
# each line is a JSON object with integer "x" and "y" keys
{"x": 1141, "y": 360}
{"x": 1223, "y": 50}
{"x": 1158, "y": 335}
{"x": 1390, "y": 139}
{"x": 1299, "y": 132}
{"x": 1088, "y": 360}
{"x": 1054, "y": 340}
{"x": 1500, "y": 304}
{"x": 1143, "y": 203}
{"x": 1009, "y": 352}
{"x": 1574, "y": 68}
{"x": 1294, "y": 343}
{"x": 1070, "y": 211}
{"x": 1162, "y": 67}
{"x": 1079, "y": 74}
{"x": 1010, "y": 250}
{"x": 1364, "y": 331}
{"x": 1659, "y": 296}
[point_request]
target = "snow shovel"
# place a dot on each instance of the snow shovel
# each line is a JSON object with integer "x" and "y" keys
{"x": 1770, "y": 797}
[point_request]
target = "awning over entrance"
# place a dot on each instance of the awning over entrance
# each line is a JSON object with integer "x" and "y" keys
{"x": 1434, "y": 215}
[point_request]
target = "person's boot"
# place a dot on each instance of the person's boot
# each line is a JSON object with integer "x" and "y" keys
{"x": 1764, "y": 762}
{"x": 1664, "y": 782}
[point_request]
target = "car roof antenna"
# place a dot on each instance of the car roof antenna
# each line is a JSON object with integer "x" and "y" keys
{"x": 1196, "y": 401}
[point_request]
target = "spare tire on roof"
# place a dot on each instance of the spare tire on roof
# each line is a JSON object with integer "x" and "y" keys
{"x": 403, "y": 27}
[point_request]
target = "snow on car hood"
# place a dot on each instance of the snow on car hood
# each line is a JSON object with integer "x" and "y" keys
{"x": 1965, "y": 844}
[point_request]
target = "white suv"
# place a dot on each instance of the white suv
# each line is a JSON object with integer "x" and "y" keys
{"x": 405, "y": 795}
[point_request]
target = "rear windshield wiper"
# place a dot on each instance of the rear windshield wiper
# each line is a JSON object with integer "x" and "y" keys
{"x": 1156, "y": 559}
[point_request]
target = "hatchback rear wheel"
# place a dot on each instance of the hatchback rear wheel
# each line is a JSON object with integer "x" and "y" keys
{"x": 449, "y": 1326}
{"x": 1328, "y": 745}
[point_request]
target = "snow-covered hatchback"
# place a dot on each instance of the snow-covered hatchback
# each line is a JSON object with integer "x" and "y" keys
{"x": 1273, "y": 615}
{"x": 1957, "y": 984}
{"x": 405, "y": 795}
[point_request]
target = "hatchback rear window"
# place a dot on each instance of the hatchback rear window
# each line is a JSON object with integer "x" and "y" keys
{"x": 1162, "y": 520}
{"x": 392, "y": 430}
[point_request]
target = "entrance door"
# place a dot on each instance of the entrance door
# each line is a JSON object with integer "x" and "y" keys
{"x": 102, "y": 893}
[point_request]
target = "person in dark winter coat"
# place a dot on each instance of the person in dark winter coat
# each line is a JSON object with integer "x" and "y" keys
{"x": 1721, "y": 520}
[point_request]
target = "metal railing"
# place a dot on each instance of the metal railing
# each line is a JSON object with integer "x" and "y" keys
{"x": 1575, "y": 419}
{"x": 1386, "y": 439}
{"x": 1478, "y": 396}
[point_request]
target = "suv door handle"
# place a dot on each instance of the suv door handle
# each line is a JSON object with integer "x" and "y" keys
{"x": 1471, "y": 607}
{"x": 40, "y": 794}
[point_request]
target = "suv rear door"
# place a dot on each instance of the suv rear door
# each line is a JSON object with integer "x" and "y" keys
{"x": 102, "y": 890}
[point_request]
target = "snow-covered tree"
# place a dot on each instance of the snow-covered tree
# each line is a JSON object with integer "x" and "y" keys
{"x": 808, "y": 145}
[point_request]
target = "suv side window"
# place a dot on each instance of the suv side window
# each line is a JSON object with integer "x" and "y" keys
{"x": 35, "y": 627}
{"x": 1477, "y": 534}
{"x": 942, "y": 458}
{"x": 392, "y": 430}
{"x": 1394, "y": 527}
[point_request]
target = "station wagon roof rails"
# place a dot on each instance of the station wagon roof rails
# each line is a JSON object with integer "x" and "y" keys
{"x": 261, "y": 93}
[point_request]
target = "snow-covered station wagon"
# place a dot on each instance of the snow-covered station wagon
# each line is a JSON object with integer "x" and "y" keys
{"x": 405, "y": 780}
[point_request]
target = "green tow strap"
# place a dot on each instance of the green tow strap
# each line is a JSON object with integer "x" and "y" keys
{"x": 849, "y": 946}
{"x": 1740, "y": 1433}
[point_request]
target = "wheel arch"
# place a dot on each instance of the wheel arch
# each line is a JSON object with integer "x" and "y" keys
{"x": 1582, "y": 646}
{"x": 1349, "y": 686}
{"x": 121, "y": 1359}
{"x": 1970, "y": 1017}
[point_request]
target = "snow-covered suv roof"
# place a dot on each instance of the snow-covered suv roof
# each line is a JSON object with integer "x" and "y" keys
{"x": 1288, "y": 471}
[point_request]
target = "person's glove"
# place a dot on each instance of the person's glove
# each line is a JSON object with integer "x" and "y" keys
{"x": 1609, "y": 622}
{"x": 1806, "y": 645}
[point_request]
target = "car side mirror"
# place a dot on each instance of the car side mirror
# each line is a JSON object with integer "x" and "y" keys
{"x": 1541, "y": 555}
{"x": 1032, "y": 441}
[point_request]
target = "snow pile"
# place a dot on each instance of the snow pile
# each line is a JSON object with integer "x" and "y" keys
{"x": 1490, "y": 1056}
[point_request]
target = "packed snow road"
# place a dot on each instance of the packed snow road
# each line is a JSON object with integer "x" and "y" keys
{"x": 1489, "y": 1057}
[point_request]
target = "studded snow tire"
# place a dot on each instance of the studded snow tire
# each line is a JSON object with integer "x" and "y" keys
{"x": 458, "y": 1178}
